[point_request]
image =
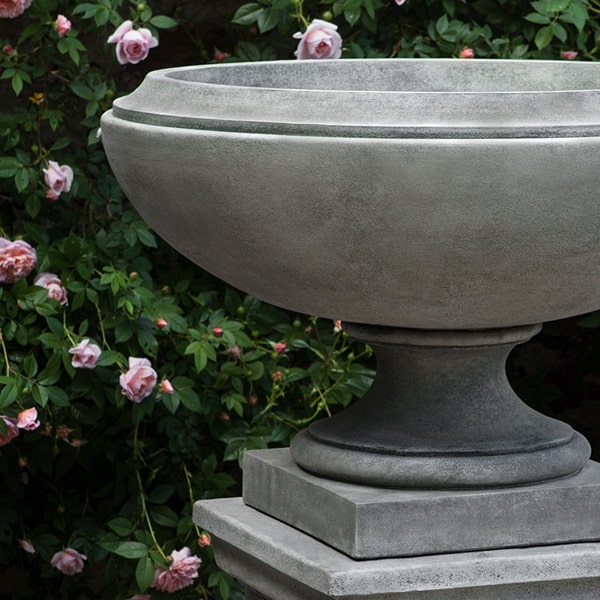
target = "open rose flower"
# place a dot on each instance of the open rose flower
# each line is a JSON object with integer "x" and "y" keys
{"x": 133, "y": 45}
{"x": 17, "y": 260}
{"x": 9, "y": 9}
{"x": 62, "y": 25}
{"x": 85, "y": 355}
{"x": 139, "y": 381}
{"x": 181, "y": 572}
{"x": 12, "y": 433}
{"x": 68, "y": 561}
{"x": 52, "y": 283}
{"x": 28, "y": 419}
{"x": 58, "y": 178}
{"x": 320, "y": 40}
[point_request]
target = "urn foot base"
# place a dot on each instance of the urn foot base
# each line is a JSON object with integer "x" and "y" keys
{"x": 440, "y": 414}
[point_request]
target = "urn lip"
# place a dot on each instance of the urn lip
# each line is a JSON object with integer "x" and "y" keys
{"x": 393, "y": 98}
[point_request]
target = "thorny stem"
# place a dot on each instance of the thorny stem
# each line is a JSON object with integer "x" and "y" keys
{"x": 145, "y": 514}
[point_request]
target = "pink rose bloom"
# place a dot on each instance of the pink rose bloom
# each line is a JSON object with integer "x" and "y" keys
{"x": 27, "y": 546}
{"x": 58, "y": 178}
{"x": 85, "y": 355}
{"x": 166, "y": 387}
{"x": 9, "y": 9}
{"x": 467, "y": 53}
{"x": 17, "y": 260}
{"x": 27, "y": 419}
{"x": 133, "y": 45}
{"x": 320, "y": 40}
{"x": 62, "y": 25}
{"x": 161, "y": 323}
{"x": 52, "y": 283}
{"x": 181, "y": 572}
{"x": 569, "y": 54}
{"x": 13, "y": 431}
{"x": 400, "y": 2}
{"x": 280, "y": 347}
{"x": 68, "y": 561}
{"x": 139, "y": 381}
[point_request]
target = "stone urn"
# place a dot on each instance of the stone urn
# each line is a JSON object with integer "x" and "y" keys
{"x": 442, "y": 209}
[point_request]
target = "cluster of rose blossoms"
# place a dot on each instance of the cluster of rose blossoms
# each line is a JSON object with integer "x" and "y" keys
{"x": 17, "y": 260}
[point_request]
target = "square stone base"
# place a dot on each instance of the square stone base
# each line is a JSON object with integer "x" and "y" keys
{"x": 366, "y": 522}
{"x": 277, "y": 562}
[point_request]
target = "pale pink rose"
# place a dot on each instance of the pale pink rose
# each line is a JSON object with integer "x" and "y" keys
{"x": 166, "y": 387}
{"x": 68, "y": 561}
{"x": 9, "y": 9}
{"x": 12, "y": 433}
{"x": 27, "y": 546}
{"x": 27, "y": 419}
{"x": 52, "y": 283}
{"x": 139, "y": 381}
{"x": 133, "y": 45}
{"x": 204, "y": 540}
{"x": 85, "y": 355}
{"x": 320, "y": 40}
{"x": 62, "y": 25}
{"x": 17, "y": 260}
{"x": 58, "y": 178}
{"x": 569, "y": 54}
{"x": 181, "y": 572}
{"x": 467, "y": 53}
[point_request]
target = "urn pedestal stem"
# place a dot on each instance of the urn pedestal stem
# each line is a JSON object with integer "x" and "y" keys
{"x": 441, "y": 414}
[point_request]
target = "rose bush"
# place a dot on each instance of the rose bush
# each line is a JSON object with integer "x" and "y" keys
{"x": 131, "y": 382}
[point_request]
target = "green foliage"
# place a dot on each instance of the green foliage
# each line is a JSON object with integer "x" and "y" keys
{"x": 114, "y": 479}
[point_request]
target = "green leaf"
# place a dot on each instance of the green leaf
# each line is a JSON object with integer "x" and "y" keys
{"x": 8, "y": 395}
{"x": 163, "y": 515}
{"x": 576, "y": 14}
{"x": 441, "y": 25}
{"x": 268, "y": 19}
{"x": 120, "y": 526}
{"x": 144, "y": 573}
{"x": 537, "y": 18}
{"x": 559, "y": 31}
{"x": 22, "y": 179}
{"x": 543, "y": 37}
{"x": 163, "y": 22}
{"x": 17, "y": 83}
{"x": 247, "y": 14}
{"x": 126, "y": 549}
{"x": 161, "y": 493}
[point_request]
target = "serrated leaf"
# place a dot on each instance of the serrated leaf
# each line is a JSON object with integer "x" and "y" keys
{"x": 537, "y": 18}
{"x": 247, "y": 14}
{"x": 163, "y": 22}
{"x": 144, "y": 573}
{"x": 543, "y": 37}
{"x": 126, "y": 549}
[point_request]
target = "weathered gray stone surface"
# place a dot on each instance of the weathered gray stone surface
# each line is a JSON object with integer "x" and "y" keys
{"x": 440, "y": 414}
{"x": 439, "y": 194}
{"x": 282, "y": 563}
{"x": 368, "y": 522}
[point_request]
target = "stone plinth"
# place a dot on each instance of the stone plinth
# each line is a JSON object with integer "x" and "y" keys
{"x": 367, "y": 522}
{"x": 278, "y": 562}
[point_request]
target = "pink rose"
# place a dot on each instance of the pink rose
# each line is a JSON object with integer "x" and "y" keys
{"x": 27, "y": 546}
{"x": 62, "y": 25}
{"x": 139, "y": 381}
{"x": 204, "y": 540}
{"x": 133, "y": 45}
{"x": 9, "y": 9}
{"x": 280, "y": 347}
{"x": 58, "y": 178}
{"x": 17, "y": 260}
{"x": 181, "y": 572}
{"x": 85, "y": 355}
{"x": 12, "y": 433}
{"x": 166, "y": 387}
{"x": 467, "y": 53}
{"x": 569, "y": 54}
{"x": 27, "y": 419}
{"x": 161, "y": 323}
{"x": 68, "y": 561}
{"x": 320, "y": 40}
{"x": 400, "y": 2}
{"x": 52, "y": 283}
